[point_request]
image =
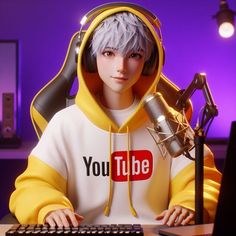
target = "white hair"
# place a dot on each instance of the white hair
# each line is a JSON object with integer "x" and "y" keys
{"x": 125, "y": 32}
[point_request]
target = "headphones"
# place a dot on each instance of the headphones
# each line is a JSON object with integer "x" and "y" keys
{"x": 90, "y": 62}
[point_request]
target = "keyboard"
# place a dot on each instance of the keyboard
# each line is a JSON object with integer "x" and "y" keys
{"x": 111, "y": 229}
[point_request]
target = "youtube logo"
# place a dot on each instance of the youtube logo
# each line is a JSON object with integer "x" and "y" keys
{"x": 141, "y": 165}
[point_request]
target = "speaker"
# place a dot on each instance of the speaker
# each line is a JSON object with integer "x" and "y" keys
{"x": 8, "y": 130}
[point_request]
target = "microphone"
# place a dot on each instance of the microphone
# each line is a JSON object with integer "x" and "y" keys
{"x": 171, "y": 128}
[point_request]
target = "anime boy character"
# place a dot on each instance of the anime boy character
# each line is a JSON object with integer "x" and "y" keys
{"x": 96, "y": 161}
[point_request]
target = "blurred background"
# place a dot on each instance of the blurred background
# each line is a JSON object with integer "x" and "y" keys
{"x": 192, "y": 44}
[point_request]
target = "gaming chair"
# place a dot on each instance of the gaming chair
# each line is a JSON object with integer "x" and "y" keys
{"x": 55, "y": 95}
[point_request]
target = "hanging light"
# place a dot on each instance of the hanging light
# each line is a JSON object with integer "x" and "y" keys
{"x": 225, "y": 20}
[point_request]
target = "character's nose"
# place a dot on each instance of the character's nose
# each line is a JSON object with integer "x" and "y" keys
{"x": 121, "y": 64}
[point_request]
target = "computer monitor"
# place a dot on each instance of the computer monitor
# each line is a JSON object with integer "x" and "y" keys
{"x": 226, "y": 208}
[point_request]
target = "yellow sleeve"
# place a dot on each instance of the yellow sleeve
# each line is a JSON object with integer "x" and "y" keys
{"x": 182, "y": 187}
{"x": 39, "y": 190}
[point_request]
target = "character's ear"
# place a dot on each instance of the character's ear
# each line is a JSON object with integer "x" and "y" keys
{"x": 151, "y": 64}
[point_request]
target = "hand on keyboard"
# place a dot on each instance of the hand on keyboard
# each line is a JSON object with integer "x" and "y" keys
{"x": 63, "y": 217}
{"x": 176, "y": 216}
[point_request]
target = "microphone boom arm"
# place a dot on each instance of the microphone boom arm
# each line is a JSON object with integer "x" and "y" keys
{"x": 199, "y": 82}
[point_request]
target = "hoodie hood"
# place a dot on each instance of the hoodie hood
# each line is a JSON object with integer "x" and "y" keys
{"x": 90, "y": 83}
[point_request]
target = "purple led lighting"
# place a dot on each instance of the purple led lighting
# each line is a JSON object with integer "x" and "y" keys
{"x": 190, "y": 39}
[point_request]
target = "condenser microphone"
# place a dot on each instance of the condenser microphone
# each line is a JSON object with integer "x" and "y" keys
{"x": 171, "y": 128}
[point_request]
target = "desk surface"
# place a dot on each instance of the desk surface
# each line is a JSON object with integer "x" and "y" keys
{"x": 152, "y": 230}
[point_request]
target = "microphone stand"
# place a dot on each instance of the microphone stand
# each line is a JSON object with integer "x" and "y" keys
{"x": 210, "y": 111}
{"x": 199, "y": 140}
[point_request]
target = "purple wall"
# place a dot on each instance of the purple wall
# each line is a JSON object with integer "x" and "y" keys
{"x": 190, "y": 38}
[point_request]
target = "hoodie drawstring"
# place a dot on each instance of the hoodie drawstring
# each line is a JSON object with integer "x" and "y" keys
{"x": 108, "y": 205}
{"x": 134, "y": 213}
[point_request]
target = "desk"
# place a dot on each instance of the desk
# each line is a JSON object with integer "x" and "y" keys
{"x": 152, "y": 230}
{"x": 3, "y": 229}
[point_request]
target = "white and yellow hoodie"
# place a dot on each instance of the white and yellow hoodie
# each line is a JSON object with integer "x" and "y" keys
{"x": 82, "y": 160}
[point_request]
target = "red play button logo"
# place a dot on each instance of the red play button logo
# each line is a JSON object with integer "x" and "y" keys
{"x": 141, "y": 165}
